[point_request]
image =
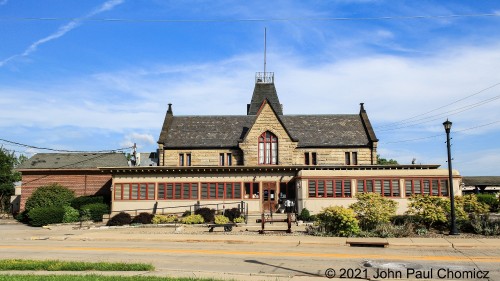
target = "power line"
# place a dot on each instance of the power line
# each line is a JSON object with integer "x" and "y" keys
{"x": 63, "y": 150}
{"x": 407, "y": 120}
{"x": 248, "y": 19}
{"x": 457, "y": 131}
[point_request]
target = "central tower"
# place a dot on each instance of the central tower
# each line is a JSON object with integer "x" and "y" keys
{"x": 264, "y": 89}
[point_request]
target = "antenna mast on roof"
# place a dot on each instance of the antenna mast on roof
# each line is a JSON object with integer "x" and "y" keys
{"x": 265, "y": 47}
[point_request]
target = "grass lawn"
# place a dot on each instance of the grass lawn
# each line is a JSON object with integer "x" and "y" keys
{"x": 92, "y": 277}
{"x": 56, "y": 265}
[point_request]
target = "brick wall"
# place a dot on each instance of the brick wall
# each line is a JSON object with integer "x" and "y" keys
{"x": 81, "y": 182}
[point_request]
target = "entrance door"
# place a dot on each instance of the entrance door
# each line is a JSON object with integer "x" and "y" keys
{"x": 269, "y": 197}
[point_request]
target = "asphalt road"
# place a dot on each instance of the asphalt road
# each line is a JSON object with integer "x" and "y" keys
{"x": 262, "y": 261}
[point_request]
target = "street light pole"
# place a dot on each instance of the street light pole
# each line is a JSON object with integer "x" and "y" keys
{"x": 453, "y": 226}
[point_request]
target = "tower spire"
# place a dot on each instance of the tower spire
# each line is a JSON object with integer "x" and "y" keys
{"x": 265, "y": 49}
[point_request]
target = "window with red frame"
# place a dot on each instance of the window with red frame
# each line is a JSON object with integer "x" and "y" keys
{"x": 434, "y": 187}
{"x": 268, "y": 149}
{"x": 134, "y": 191}
{"x": 177, "y": 191}
{"x": 221, "y": 190}
{"x": 322, "y": 188}
{"x": 384, "y": 187}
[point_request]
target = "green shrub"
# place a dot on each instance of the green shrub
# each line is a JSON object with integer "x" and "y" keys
{"x": 186, "y": 213}
{"x": 304, "y": 215}
{"x": 207, "y": 214}
{"x": 23, "y": 217}
{"x": 428, "y": 210}
{"x": 120, "y": 219}
{"x": 471, "y": 204}
{"x": 372, "y": 209}
{"x": 160, "y": 219}
{"x": 46, "y": 215}
{"x": 97, "y": 210}
{"x": 50, "y": 195}
{"x": 338, "y": 221}
{"x": 70, "y": 214}
{"x": 220, "y": 219}
{"x": 239, "y": 220}
{"x": 192, "y": 219}
{"x": 143, "y": 218}
{"x": 490, "y": 199}
{"x": 232, "y": 213}
{"x": 78, "y": 202}
{"x": 485, "y": 226}
{"x": 389, "y": 230}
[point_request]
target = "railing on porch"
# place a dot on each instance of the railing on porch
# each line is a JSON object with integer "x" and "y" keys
{"x": 241, "y": 205}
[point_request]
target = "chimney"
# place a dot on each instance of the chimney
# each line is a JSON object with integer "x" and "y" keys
{"x": 169, "y": 111}
{"x": 362, "y": 107}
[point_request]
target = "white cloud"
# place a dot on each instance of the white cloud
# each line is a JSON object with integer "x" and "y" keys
{"x": 62, "y": 30}
{"x": 141, "y": 140}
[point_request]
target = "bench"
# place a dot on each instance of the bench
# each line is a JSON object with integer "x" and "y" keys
{"x": 227, "y": 226}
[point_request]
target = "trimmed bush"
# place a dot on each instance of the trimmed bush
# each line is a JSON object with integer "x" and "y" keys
{"x": 372, "y": 209}
{"x": 70, "y": 214}
{"x": 143, "y": 218}
{"x": 221, "y": 219}
{"x": 239, "y": 220}
{"x": 159, "y": 219}
{"x": 471, "y": 204}
{"x": 207, "y": 214}
{"x": 490, "y": 199}
{"x": 78, "y": 202}
{"x": 233, "y": 213}
{"x": 50, "y": 195}
{"x": 97, "y": 210}
{"x": 120, "y": 219}
{"x": 305, "y": 215}
{"x": 46, "y": 215}
{"x": 192, "y": 219}
{"x": 428, "y": 210}
{"x": 186, "y": 213}
{"x": 338, "y": 221}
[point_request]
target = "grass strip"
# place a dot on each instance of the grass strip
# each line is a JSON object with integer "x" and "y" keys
{"x": 94, "y": 278}
{"x": 57, "y": 265}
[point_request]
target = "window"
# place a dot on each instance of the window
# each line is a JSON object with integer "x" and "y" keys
{"x": 351, "y": 158}
{"x": 229, "y": 159}
{"x": 348, "y": 158}
{"x": 321, "y": 188}
{"x": 135, "y": 191}
{"x": 184, "y": 159}
{"x": 384, "y": 187}
{"x": 221, "y": 159}
{"x": 306, "y": 158}
{"x": 314, "y": 159}
{"x": 268, "y": 149}
{"x": 434, "y": 187}
{"x": 221, "y": 190}
{"x": 225, "y": 159}
{"x": 169, "y": 191}
{"x": 252, "y": 190}
{"x": 354, "y": 158}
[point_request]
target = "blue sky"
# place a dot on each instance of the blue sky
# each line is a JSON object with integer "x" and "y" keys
{"x": 74, "y": 77}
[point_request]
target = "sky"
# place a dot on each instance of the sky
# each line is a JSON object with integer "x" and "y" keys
{"x": 98, "y": 75}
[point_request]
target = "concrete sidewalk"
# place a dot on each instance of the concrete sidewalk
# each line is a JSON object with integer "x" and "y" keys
{"x": 242, "y": 236}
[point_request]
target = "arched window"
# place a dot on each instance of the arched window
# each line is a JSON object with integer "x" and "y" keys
{"x": 268, "y": 149}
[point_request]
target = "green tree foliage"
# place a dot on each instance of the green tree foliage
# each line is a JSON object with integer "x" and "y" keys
{"x": 338, "y": 221}
{"x": 383, "y": 161}
{"x": 50, "y": 195}
{"x": 372, "y": 209}
{"x": 7, "y": 178}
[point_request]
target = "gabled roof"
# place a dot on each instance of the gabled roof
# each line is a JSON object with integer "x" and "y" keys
{"x": 482, "y": 181}
{"x": 74, "y": 161}
{"x": 226, "y": 131}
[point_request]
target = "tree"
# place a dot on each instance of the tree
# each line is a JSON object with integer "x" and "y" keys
{"x": 7, "y": 178}
{"x": 383, "y": 161}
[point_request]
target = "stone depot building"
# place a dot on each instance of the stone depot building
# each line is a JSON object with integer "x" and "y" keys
{"x": 264, "y": 157}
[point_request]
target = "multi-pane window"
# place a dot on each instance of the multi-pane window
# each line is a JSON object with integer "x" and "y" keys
{"x": 221, "y": 159}
{"x": 134, "y": 191}
{"x": 320, "y": 188}
{"x": 310, "y": 158}
{"x": 268, "y": 149}
{"x": 177, "y": 191}
{"x": 251, "y": 190}
{"x": 225, "y": 159}
{"x": 434, "y": 187}
{"x": 221, "y": 190}
{"x": 306, "y": 158}
{"x": 384, "y": 187}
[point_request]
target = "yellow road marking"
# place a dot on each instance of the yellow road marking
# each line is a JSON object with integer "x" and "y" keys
{"x": 486, "y": 259}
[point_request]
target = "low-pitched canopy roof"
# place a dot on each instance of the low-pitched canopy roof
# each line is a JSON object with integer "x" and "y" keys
{"x": 74, "y": 161}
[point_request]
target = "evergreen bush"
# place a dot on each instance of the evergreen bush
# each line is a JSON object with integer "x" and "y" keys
{"x": 490, "y": 199}
{"x": 192, "y": 219}
{"x": 97, "y": 210}
{"x": 78, "y": 202}
{"x": 305, "y": 215}
{"x": 50, "y": 195}
{"x": 338, "y": 221}
{"x": 207, "y": 214}
{"x": 46, "y": 215}
{"x": 232, "y": 213}
{"x": 120, "y": 219}
{"x": 372, "y": 209}
{"x": 70, "y": 214}
{"x": 143, "y": 218}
